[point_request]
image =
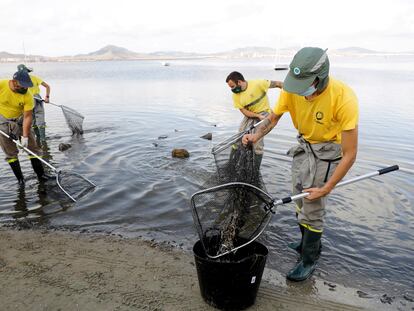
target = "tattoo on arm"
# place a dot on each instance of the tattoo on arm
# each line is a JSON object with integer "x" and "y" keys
{"x": 265, "y": 127}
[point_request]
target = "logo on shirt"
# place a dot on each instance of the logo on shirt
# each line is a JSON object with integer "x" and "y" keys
{"x": 319, "y": 117}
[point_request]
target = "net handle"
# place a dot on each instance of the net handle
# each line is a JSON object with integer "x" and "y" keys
{"x": 228, "y": 142}
{"x": 343, "y": 183}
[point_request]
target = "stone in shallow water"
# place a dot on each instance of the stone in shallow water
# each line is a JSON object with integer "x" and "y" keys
{"x": 208, "y": 136}
{"x": 362, "y": 294}
{"x": 63, "y": 147}
{"x": 162, "y": 137}
{"x": 180, "y": 153}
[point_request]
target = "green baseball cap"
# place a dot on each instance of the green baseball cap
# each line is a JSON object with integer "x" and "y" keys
{"x": 307, "y": 64}
{"x": 23, "y": 67}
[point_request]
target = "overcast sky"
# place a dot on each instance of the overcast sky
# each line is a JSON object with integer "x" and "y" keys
{"x": 56, "y": 28}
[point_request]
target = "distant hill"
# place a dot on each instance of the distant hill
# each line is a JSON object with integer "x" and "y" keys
{"x": 113, "y": 52}
{"x": 6, "y": 57}
{"x": 109, "y": 52}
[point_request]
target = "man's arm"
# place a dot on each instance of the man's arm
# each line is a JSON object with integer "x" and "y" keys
{"x": 47, "y": 86}
{"x": 349, "y": 152}
{"x": 250, "y": 114}
{"x": 274, "y": 84}
{"x": 268, "y": 124}
{"x": 27, "y": 122}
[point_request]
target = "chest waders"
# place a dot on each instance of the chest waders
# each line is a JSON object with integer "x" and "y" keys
{"x": 297, "y": 246}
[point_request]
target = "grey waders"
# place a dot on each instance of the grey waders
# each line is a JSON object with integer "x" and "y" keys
{"x": 310, "y": 252}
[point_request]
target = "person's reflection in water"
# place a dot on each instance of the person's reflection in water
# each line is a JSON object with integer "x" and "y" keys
{"x": 21, "y": 201}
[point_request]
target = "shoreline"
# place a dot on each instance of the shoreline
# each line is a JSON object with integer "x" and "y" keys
{"x": 58, "y": 270}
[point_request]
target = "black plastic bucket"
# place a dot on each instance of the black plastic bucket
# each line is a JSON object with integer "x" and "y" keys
{"x": 231, "y": 282}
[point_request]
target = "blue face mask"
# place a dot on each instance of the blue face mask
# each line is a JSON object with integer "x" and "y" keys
{"x": 312, "y": 89}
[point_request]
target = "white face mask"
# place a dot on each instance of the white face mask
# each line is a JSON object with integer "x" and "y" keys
{"x": 312, "y": 89}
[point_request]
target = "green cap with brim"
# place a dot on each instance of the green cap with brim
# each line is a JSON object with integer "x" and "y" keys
{"x": 24, "y": 67}
{"x": 304, "y": 69}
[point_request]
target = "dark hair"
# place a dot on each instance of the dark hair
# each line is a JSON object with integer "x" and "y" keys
{"x": 235, "y": 76}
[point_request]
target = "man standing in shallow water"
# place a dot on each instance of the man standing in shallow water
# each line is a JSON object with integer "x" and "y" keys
{"x": 16, "y": 105}
{"x": 250, "y": 97}
{"x": 325, "y": 113}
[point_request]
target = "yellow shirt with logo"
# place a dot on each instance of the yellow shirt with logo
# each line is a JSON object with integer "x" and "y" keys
{"x": 13, "y": 104}
{"x": 36, "y": 82}
{"x": 323, "y": 118}
{"x": 256, "y": 90}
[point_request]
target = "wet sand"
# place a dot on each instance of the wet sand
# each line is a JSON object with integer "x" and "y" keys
{"x": 55, "y": 270}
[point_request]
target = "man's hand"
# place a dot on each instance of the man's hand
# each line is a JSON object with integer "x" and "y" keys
{"x": 248, "y": 138}
{"x": 262, "y": 117}
{"x": 24, "y": 141}
{"x": 316, "y": 193}
{"x": 46, "y": 100}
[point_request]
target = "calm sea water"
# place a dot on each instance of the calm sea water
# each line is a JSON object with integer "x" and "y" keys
{"x": 143, "y": 191}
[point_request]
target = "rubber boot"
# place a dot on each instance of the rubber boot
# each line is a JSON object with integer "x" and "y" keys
{"x": 38, "y": 168}
{"x": 15, "y": 166}
{"x": 297, "y": 246}
{"x": 310, "y": 252}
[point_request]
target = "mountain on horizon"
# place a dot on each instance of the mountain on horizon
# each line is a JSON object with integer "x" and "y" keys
{"x": 113, "y": 52}
{"x": 109, "y": 52}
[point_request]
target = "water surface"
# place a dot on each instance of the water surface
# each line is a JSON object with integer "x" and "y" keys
{"x": 143, "y": 191}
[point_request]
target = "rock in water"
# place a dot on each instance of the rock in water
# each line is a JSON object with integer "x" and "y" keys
{"x": 208, "y": 136}
{"x": 64, "y": 147}
{"x": 180, "y": 153}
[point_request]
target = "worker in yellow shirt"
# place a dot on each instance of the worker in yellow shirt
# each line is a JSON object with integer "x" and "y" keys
{"x": 16, "y": 105}
{"x": 325, "y": 113}
{"x": 250, "y": 97}
{"x": 39, "y": 124}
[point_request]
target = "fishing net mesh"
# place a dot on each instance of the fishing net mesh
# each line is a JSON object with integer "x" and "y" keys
{"x": 74, "y": 184}
{"x": 228, "y": 217}
{"x": 73, "y": 119}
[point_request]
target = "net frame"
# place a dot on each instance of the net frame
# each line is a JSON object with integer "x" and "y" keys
{"x": 72, "y": 196}
{"x": 204, "y": 228}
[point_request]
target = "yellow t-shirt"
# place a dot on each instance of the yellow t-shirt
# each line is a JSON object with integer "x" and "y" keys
{"x": 255, "y": 89}
{"x": 13, "y": 104}
{"x": 323, "y": 118}
{"x": 36, "y": 82}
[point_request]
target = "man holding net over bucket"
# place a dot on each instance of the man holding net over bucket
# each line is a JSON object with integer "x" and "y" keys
{"x": 39, "y": 124}
{"x": 325, "y": 113}
{"x": 250, "y": 97}
{"x": 16, "y": 105}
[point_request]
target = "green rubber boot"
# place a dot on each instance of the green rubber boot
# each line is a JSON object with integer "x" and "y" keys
{"x": 297, "y": 246}
{"x": 15, "y": 166}
{"x": 310, "y": 253}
